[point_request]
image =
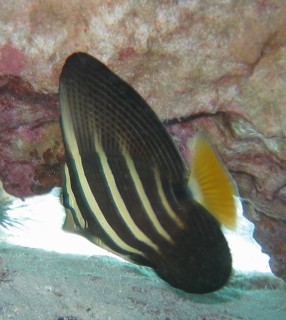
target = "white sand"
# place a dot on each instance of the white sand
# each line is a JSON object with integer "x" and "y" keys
{"x": 36, "y": 284}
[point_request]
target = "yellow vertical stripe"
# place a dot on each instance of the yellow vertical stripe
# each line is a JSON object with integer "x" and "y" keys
{"x": 91, "y": 201}
{"x": 72, "y": 201}
{"x": 165, "y": 202}
{"x": 144, "y": 199}
{"x": 119, "y": 202}
{"x": 83, "y": 223}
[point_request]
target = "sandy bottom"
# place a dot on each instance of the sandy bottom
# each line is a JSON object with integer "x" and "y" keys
{"x": 36, "y": 284}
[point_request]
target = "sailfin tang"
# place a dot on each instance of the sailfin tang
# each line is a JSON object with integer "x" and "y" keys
{"x": 126, "y": 184}
{"x": 211, "y": 184}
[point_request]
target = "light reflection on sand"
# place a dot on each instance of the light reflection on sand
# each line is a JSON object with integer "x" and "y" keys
{"x": 37, "y": 223}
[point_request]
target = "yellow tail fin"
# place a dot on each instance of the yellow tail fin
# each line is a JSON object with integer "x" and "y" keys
{"x": 212, "y": 185}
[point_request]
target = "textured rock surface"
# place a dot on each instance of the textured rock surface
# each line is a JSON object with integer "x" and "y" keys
{"x": 30, "y": 141}
{"x": 219, "y": 66}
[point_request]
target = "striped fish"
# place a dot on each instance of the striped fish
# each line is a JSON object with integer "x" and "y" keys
{"x": 127, "y": 188}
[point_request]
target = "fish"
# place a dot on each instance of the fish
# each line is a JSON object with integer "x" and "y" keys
{"x": 128, "y": 189}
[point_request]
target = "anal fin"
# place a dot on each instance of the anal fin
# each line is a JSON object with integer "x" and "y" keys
{"x": 69, "y": 224}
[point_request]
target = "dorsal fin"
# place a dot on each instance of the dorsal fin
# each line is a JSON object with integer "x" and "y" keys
{"x": 211, "y": 184}
{"x": 118, "y": 116}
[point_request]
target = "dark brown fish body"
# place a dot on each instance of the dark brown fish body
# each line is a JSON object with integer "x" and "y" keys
{"x": 127, "y": 188}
